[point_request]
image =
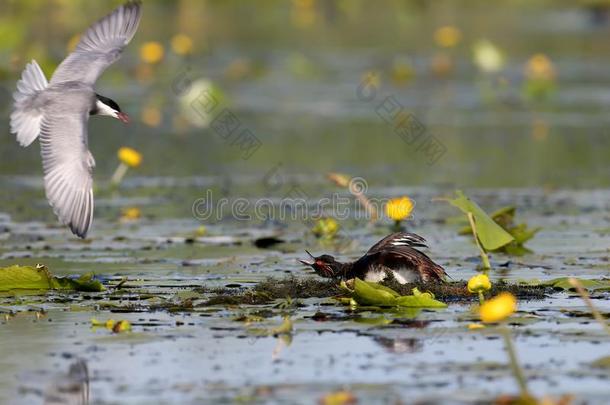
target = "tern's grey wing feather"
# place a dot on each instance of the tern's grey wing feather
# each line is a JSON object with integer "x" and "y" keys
{"x": 100, "y": 46}
{"x": 67, "y": 165}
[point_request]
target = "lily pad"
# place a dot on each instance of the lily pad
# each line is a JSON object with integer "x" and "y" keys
{"x": 593, "y": 285}
{"x": 373, "y": 294}
{"x": 40, "y": 278}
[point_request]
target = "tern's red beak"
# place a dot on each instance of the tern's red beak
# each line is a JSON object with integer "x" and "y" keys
{"x": 124, "y": 118}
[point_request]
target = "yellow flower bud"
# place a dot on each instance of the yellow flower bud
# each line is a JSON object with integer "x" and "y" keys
{"x": 182, "y": 44}
{"x": 129, "y": 156}
{"x": 131, "y": 214}
{"x": 447, "y": 36}
{"x": 540, "y": 67}
{"x": 399, "y": 209}
{"x": 151, "y": 52}
{"x": 151, "y": 116}
{"x": 498, "y": 308}
{"x": 479, "y": 283}
{"x": 326, "y": 228}
{"x": 121, "y": 326}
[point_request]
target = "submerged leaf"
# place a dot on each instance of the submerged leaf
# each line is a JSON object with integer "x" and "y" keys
{"x": 490, "y": 234}
{"x": 564, "y": 284}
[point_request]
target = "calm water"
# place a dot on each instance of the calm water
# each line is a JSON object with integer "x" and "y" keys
{"x": 295, "y": 88}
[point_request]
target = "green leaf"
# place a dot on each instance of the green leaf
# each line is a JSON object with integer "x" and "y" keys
{"x": 420, "y": 300}
{"x": 86, "y": 282}
{"x": 365, "y": 294}
{"x": 522, "y": 234}
{"x": 603, "y": 362}
{"x": 503, "y": 217}
{"x": 373, "y": 294}
{"x": 490, "y": 234}
{"x": 514, "y": 249}
{"x": 25, "y": 277}
{"x": 382, "y": 288}
{"x": 40, "y": 278}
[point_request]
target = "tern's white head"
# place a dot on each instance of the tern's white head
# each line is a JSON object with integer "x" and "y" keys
{"x": 105, "y": 106}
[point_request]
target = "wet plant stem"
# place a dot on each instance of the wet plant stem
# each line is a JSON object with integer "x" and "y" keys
{"x": 585, "y": 297}
{"x": 514, "y": 362}
{"x": 119, "y": 173}
{"x": 366, "y": 203}
{"x": 397, "y": 227}
{"x": 484, "y": 257}
{"x": 481, "y": 298}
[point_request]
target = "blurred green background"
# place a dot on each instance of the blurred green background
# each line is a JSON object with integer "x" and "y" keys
{"x": 515, "y": 92}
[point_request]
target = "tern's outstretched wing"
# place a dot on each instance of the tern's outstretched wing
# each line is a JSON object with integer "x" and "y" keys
{"x": 100, "y": 46}
{"x": 67, "y": 165}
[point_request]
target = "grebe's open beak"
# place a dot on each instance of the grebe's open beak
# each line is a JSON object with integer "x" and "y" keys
{"x": 306, "y": 263}
{"x": 124, "y": 118}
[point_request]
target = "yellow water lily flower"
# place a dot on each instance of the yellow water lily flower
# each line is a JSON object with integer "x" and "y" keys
{"x": 447, "y": 36}
{"x": 479, "y": 283}
{"x": 112, "y": 325}
{"x": 182, "y": 44}
{"x": 151, "y": 116}
{"x": 152, "y": 52}
{"x": 540, "y": 67}
{"x": 498, "y": 308}
{"x": 399, "y": 209}
{"x": 402, "y": 71}
{"x": 129, "y": 156}
{"x": 201, "y": 231}
{"x": 121, "y": 326}
{"x": 131, "y": 214}
{"x": 326, "y": 228}
{"x": 338, "y": 398}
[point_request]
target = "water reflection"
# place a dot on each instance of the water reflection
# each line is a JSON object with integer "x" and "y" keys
{"x": 399, "y": 345}
{"x": 71, "y": 388}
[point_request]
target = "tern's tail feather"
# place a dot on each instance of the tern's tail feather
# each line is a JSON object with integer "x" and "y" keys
{"x": 27, "y": 115}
